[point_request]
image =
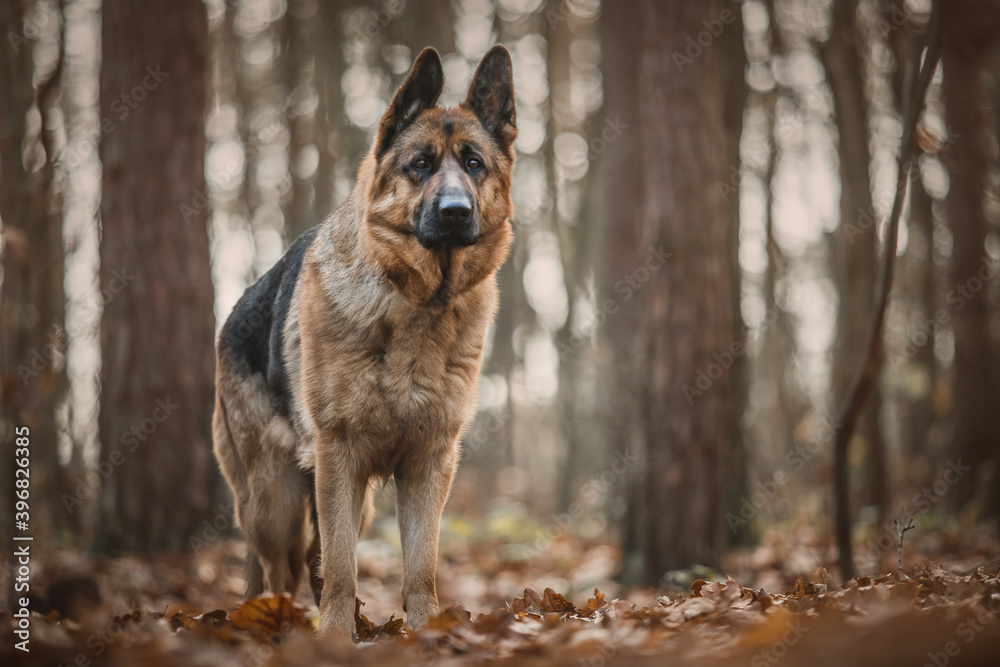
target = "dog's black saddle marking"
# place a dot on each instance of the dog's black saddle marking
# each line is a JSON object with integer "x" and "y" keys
{"x": 253, "y": 334}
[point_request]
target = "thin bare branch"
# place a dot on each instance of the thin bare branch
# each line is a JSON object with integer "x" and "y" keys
{"x": 864, "y": 381}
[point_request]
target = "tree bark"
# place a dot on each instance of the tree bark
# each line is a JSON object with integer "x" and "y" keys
{"x": 854, "y": 242}
{"x": 682, "y": 143}
{"x": 157, "y": 328}
{"x": 314, "y": 65}
{"x": 969, "y": 33}
{"x": 735, "y": 456}
{"x": 32, "y": 299}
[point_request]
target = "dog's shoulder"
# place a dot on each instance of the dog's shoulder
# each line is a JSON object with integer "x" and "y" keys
{"x": 342, "y": 285}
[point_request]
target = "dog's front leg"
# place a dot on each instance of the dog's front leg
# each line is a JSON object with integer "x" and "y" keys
{"x": 423, "y": 484}
{"x": 340, "y": 494}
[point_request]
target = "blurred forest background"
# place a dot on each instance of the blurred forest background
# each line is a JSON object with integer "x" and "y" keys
{"x": 701, "y": 195}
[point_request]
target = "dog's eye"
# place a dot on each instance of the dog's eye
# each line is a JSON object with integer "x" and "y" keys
{"x": 474, "y": 163}
{"x": 422, "y": 163}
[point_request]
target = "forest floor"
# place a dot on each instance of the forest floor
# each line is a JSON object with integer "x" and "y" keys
{"x": 509, "y": 602}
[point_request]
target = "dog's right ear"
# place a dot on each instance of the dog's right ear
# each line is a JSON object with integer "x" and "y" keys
{"x": 420, "y": 90}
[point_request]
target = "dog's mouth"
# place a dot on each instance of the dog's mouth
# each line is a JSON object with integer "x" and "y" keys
{"x": 436, "y": 230}
{"x": 447, "y": 242}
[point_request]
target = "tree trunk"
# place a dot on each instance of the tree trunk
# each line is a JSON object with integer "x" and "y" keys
{"x": 329, "y": 67}
{"x": 32, "y": 300}
{"x": 621, "y": 177}
{"x": 420, "y": 24}
{"x": 976, "y": 402}
{"x": 558, "y": 64}
{"x": 680, "y": 121}
{"x": 917, "y": 277}
{"x": 855, "y": 240}
{"x": 734, "y": 95}
{"x": 314, "y": 66}
{"x": 157, "y": 328}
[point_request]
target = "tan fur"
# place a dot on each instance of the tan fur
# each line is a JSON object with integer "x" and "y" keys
{"x": 383, "y": 343}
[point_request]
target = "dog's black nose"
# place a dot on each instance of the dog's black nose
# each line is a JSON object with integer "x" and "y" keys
{"x": 454, "y": 209}
{"x": 450, "y": 220}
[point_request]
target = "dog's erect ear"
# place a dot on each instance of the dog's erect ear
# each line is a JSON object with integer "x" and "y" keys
{"x": 491, "y": 95}
{"x": 420, "y": 91}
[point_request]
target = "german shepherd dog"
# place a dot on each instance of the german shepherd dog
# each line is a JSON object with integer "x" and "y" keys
{"x": 356, "y": 357}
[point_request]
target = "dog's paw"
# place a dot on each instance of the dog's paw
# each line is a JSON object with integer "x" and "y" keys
{"x": 337, "y": 620}
{"x": 419, "y": 609}
{"x": 337, "y": 628}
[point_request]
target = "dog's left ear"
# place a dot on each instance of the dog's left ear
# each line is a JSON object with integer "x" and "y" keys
{"x": 420, "y": 90}
{"x": 491, "y": 95}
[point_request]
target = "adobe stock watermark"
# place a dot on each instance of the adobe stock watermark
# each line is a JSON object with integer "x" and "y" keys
{"x": 866, "y": 219}
{"x": 606, "y": 650}
{"x": 796, "y": 460}
{"x": 101, "y": 639}
{"x": 122, "y": 107}
{"x": 758, "y": 158}
{"x": 695, "y": 46}
{"x": 724, "y": 360}
{"x": 794, "y": 631}
{"x": 89, "y": 483}
{"x": 378, "y": 19}
{"x": 627, "y": 287}
{"x": 489, "y": 425}
{"x": 922, "y": 502}
{"x": 563, "y": 11}
{"x": 611, "y": 131}
{"x": 917, "y": 336}
{"x": 227, "y": 176}
{"x": 214, "y": 528}
{"x": 227, "y": 517}
{"x": 967, "y": 629}
{"x": 42, "y": 356}
{"x": 590, "y": 494}
{"x": 32, "y": 24}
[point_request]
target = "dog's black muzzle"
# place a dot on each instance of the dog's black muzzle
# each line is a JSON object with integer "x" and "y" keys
{"x": 452, "y": 220}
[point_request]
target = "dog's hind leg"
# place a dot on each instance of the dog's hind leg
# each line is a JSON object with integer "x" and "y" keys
{"x": 254, "y": 574}
{"x": 226, "y": 428}
{"x": 273, "y": 516}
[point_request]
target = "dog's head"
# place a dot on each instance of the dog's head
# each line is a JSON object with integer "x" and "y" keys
{"x": 438, "y": 208}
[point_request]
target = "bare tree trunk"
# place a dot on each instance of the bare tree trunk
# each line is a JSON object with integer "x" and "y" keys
{"x": 734, "y": 92}
{"x": 775, "y": 434}
{"x": 918, "y": 270}
{"x": 854, "y": 242}
{"x": 424, "y": 23}
{"x": 32, "y": 300}
{"x": 969, "y": 33}
{"x": 329, "y": 66}
{"x": 503, "y": 357}
{"x": 919, "y": 280}
{"x": 683, "y": 128}
{"x": 314, "y": 66}
{"x": 157, "y": 329}
{"x": 861, "y": 387}
{"x": 558, "y": 69}
{"x": 621, "y": 176}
